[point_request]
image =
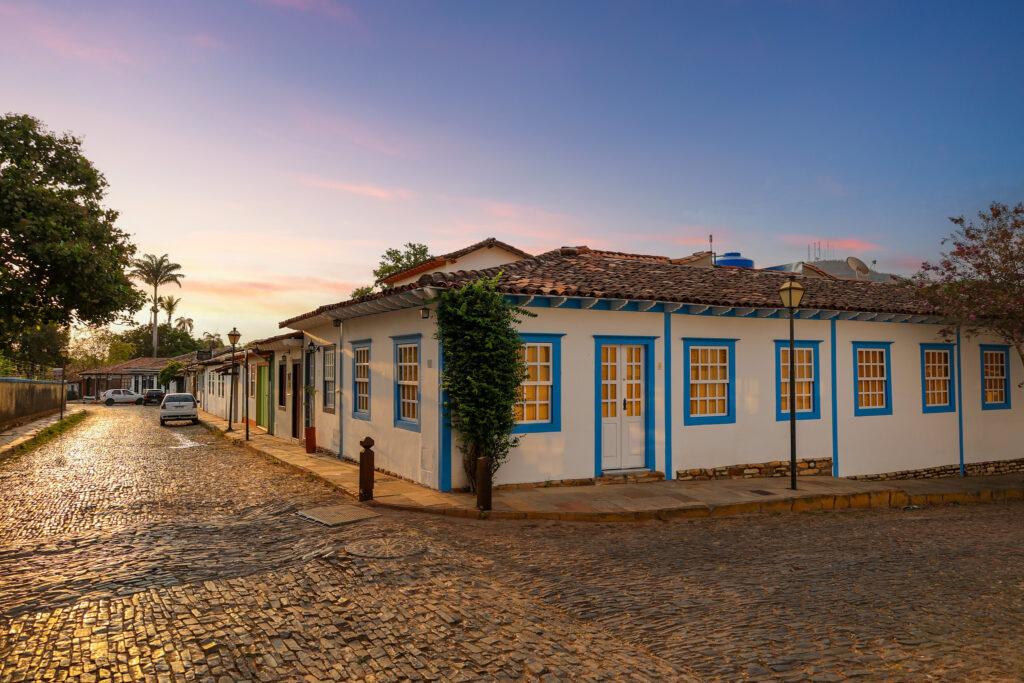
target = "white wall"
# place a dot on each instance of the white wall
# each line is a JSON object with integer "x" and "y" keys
{"x": 411, "y": 454}
{"x": 326, "y": 420}
{"x": 991, "y": 434}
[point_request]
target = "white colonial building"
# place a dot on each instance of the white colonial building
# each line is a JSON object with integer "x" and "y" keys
{"x": 637, "y": 363}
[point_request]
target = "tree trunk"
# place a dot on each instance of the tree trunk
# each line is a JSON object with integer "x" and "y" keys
{"x": 469, "y": 457}
{"x": 156, "y": 321}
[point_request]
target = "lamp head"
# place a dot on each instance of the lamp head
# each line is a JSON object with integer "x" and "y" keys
{"x": 234, "y": 335}
{"x": 791, "y": 292}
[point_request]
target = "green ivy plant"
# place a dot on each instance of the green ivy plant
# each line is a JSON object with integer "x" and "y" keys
{"x": 483, "y": 370}
{"x": 169, "y": 372}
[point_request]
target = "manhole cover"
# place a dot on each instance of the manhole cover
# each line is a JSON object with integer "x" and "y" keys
{"x": 384, "y": 548}
{"x": 333, "y": 515}
{"x": 762, "y": 493}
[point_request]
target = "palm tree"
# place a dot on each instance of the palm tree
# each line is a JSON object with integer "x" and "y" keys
{"x": 184, "y": 324}
{"x": 169, "y": 304}
{"x": 155, "y": 272}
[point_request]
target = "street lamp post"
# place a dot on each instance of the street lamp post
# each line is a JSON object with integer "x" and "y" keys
{"x": 246, "y": 393}
{"x": 791, "y": 293}
{"x": 233, "y": 337}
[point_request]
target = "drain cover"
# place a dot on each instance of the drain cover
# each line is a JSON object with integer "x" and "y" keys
{"x": 384, "y": 548}
{"x": 333, "y": 515}
{"x": 762, "y": 493}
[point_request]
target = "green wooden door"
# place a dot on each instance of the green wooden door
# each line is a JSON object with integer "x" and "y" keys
{"x": 261, "y": 396}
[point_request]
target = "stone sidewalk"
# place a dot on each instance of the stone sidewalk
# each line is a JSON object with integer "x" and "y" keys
{"x": 15, "y": 436}
{"x": 633, "y": 502}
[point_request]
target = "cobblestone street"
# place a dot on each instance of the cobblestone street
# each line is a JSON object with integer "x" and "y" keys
{"x": 134, "y": 552}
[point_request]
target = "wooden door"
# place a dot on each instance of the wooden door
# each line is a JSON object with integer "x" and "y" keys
{"x": 623, "y": 406}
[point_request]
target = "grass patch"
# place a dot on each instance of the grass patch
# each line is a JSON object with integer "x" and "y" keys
{"x": 45, "y": 435}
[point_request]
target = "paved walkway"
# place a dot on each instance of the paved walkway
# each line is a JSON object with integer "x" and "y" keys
{"x": 15, "y": 436}
{"x": 631, "y": 502}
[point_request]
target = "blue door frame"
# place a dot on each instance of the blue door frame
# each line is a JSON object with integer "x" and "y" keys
{"x": 648, "y": 344}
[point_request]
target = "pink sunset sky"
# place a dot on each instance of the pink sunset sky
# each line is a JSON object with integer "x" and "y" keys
{"x": 276, "y": 148}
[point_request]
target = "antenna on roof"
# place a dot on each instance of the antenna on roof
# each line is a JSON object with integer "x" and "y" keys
{"x": 857, "y": 266}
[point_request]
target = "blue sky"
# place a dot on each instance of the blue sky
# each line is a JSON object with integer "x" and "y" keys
{"x": 275, "y": 148}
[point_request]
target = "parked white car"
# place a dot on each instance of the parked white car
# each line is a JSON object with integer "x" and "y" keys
{"x": 112, "y": 396}
{"x": 179, "y": 407}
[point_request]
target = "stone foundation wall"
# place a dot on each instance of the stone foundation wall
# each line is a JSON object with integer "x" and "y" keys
{"x": 971, "y": 469}
{"x": 776, "y": 468}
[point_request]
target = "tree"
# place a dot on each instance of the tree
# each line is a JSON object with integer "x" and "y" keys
{"x": 170, "y": 304}
{"x": 184, "y": 324}
{"x": 978, "y": 286}
{"x": 62, "y": 259}
{"x": 96, "y": 346}
{"x": 173, "y": 342}
{"x": 483, "y": 370}
{"x": 169, "y": 372}
{"x": 365, "y": 290}
{"x": 396, "y": 260}
{"x": 45, "y": 346}
{"x": 212, "y": 340}
{"x": 155, "y": 272}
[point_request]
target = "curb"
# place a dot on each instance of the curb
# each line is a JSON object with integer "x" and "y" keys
{"x": 890, "y": 498}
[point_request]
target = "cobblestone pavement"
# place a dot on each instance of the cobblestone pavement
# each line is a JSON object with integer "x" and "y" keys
{"x": 134, "y": 552}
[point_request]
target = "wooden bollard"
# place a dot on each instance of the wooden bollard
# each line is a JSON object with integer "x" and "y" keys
{"x": 366, "y": 469}
{"x": 483, "y": 483}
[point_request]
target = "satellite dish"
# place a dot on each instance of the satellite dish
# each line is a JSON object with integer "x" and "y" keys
{"x": 857, "y": 266}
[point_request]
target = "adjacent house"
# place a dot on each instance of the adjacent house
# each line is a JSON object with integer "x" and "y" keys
{"x": 673, "y": 366}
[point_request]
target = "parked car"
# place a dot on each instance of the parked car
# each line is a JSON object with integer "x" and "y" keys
{"x": 112, "y": 396}
{"x": 154, "y": 396}
{"x": 179, "y": 407}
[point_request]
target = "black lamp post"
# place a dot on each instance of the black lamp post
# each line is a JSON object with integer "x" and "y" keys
{"x": 246, "y": 393}
{"x": 791, "y": 293}
{"x": 233, "y": 337}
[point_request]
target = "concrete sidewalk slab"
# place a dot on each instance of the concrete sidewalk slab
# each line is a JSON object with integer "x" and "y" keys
{"x": 633, "y": 502}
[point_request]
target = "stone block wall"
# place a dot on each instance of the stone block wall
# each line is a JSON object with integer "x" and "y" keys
{"x": 971, "y": 469}
{"x": 776, "y": 468}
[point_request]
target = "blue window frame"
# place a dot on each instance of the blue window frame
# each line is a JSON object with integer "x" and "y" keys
{"x": 407, "y": 381}
{"x": 938, "y": 378}
{"x": 995, "y": 377}
{"x": 709, "y": 373}
{"x": 808, "y": 380}
{"x": 540, "y": 408}
{"x": 361, "y": 379}
{"x": 872, "y": 378}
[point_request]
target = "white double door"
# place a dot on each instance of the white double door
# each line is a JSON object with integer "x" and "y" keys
{"x": 623, "y": 406}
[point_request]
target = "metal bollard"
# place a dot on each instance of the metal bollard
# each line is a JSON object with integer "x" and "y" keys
{"x": 366, "y": 469}
{"x": 483, "y": 483}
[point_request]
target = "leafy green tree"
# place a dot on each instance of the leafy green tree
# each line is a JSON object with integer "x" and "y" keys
{"x": 396, "y": 260}
{"x": 155, "y": 272}
{"x": 978, "y": 285}
{"x": 361, "y": 291}
{"x": 483, "y": 370}
{"x": 46, "y": 345}
{"x": 184, "y": 324}
{"x": 212, "y": 340}
{"x": 170, "y": 305}
{"x": 169, "y": 372}
{"x": 173, "y": 342}
{"x": 96, "y": 346}
{"x": 62, "y": 259}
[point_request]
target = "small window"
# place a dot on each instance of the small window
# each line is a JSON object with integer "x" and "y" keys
{"x": 252, "y": 381}
{"x": 407, "y": 383}
{"x": 361, "y": 381}
{"x": 535, "y": 392}
{"x": 805, "y": 359}
{"x": 708, "y": 367}
{"x": 872, "y": 379}
{"x": 329, "y": 376}
{"x": 937, "y": 385}
{"x": 995, "y": 377}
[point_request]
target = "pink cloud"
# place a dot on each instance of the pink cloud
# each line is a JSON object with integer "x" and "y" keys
{"x": 852, "y": 244}
{"x": 274, "y": 285}
{"x": 372, "y": 136}
{"x": 362, "y": 190}
{"x": 58, "y": 36}
{"x": 328, "y": 8}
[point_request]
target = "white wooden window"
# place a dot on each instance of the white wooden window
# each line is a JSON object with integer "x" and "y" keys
{"x": 536, "y": 390}
{"x": 709, "y": 380}
{"x": 936, "y": 377}
{"x": 804, "y": 367}
{"x": 330, "y": 376}
{"x": 362, "y": 378}
{"x": 408, "y": 378}
{"x": 252, "y": 381}
{"x": 995, "y": 376}
{"x": 871, "y": 379}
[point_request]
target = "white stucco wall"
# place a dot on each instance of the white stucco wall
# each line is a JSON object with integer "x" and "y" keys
{"x": 991, "y": 434}
{"x": 326, "y": 420}
{"x": 476, "y": 260}
{"x": 411, "y": 454}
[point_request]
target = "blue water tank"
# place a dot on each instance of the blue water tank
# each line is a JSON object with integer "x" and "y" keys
{"x": 733, "y": 258}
